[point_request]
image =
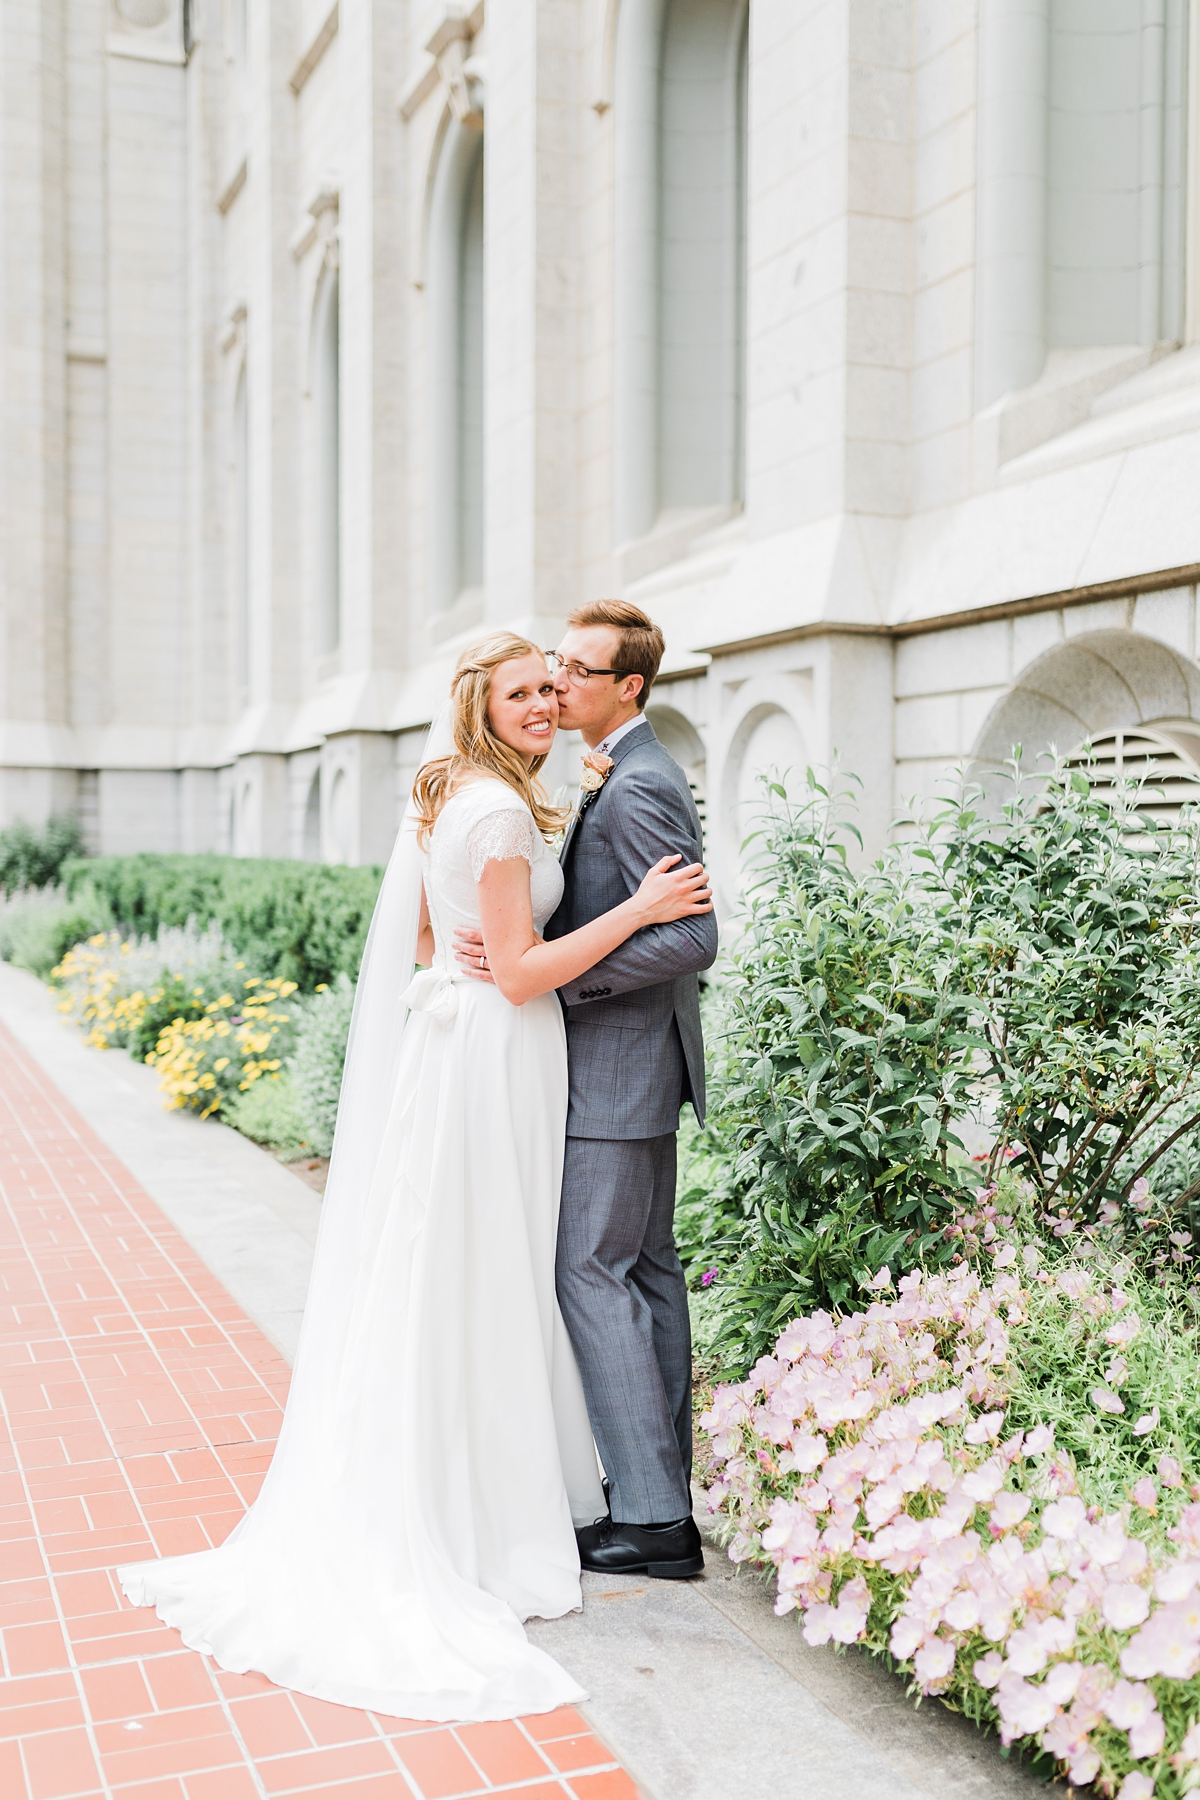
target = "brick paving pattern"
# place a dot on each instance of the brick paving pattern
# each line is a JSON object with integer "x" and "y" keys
{"x": 139, "y": 1409}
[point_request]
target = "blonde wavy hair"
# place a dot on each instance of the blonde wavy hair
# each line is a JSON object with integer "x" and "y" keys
{"x": 477, "y": 749}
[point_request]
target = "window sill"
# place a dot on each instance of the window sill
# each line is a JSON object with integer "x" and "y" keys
{"x": 674, "y": 536}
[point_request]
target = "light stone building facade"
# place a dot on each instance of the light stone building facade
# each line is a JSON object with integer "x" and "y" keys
{"x": 857, "y": 340}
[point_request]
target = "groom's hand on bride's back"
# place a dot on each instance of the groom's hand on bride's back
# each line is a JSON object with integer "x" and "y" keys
{"x": 470, "y": 954}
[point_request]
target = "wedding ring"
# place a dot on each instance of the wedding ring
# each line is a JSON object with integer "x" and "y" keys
{"x": 481, "y": 962}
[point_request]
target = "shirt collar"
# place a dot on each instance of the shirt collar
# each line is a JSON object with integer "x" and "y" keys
{"x": 614, "y": 737}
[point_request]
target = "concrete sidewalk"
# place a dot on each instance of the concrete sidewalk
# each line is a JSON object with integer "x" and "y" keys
{"x": 698, "y": 1688}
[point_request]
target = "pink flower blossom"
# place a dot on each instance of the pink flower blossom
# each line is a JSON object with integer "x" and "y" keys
{"x": 1039, "y": 1440}
{"x": 985, "y": 1481}
{"x": 1178, "y": 1580}
{"x": 1169, "y": 1471}
{"x": 1128, "y": 1703}
{"x": 1009, "y": 1510}
{"x": 1136, "y": 1787}
{"x": 1124, "y": 1331}
{"x": 987, "y": 1669}
{"x": 1125, "y": 1605}
{"x": 984, "y": 1430}
{"x": 1145, "y": 1494}
{"x": 1104, "y": 1400}
{"x": 1063, "y": 1518}
{"x": 1189, "y": 1751}
{"x": 934, "y": 1664}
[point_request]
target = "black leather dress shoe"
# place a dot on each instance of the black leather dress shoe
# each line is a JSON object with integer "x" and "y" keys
{"x": 664, "y": 1552}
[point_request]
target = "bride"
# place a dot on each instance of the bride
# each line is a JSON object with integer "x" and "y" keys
{"x": 435, "y": 1450}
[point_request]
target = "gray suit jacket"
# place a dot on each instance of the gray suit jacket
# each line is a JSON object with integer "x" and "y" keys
{"x": 634, "y": 1046}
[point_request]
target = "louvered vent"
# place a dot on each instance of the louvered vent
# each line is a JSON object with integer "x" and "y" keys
{"x": 1166, "y": 759}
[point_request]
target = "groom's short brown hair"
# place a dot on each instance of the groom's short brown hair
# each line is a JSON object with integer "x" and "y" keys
{"x": 640, "y": 644}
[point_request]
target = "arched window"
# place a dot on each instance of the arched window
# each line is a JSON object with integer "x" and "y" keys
{"x": 241, "y": 533}
{"x": 680, "y": 93}
{"x": 326, "y": 443}
{"x": 455, "y": 316}
{"x": 1164, "y": 756}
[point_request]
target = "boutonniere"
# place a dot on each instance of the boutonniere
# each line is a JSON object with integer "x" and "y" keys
{"x": 596, "y": 771}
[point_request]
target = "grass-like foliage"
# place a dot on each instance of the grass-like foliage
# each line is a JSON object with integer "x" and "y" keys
{"x": 1034, "y": 967}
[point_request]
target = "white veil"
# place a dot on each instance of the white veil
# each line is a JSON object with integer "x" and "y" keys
{"x": 325, "y": 1351}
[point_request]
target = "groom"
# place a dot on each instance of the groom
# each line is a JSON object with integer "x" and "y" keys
{"x": 635, "y": 1053}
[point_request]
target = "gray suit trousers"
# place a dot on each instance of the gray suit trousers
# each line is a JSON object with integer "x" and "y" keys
{"x": 624, "y": 1300}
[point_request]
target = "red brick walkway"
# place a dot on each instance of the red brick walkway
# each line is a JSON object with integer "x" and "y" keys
{"x": 138, "y": 1407}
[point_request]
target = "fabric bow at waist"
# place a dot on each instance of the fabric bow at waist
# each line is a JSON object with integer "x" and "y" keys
{"x": 433, "y": 992}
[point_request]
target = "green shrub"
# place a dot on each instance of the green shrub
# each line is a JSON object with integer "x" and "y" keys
{"x": 1036, "y": 970}
{"x": 299, "y": 921}
{"x": 319, "y": 1059}
{"x": 30, "y": 858}
{"x": 38, "y": 927}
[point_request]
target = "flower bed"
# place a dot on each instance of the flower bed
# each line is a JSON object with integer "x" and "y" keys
{"x": 222, "y": 1039}
{"x": 891, "y": 1467}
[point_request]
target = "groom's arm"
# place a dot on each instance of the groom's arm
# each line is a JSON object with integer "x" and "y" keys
{"x": 651, "y": 821}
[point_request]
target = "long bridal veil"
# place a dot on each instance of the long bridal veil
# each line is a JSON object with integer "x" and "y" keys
{"x": 339, "y": 1581}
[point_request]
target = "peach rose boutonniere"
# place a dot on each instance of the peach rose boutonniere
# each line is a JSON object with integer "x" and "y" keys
{"x": 596, "y": 771}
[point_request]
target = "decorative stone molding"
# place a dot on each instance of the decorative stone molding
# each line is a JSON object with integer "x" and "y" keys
{"x": 232, "y": 187}
{"x": 148, "y": 30}
{"x": 315, "y": 51}
{"x": 319, "y": 226}
{"x": 233, "y": 327}
{"x": 452, "y": 67}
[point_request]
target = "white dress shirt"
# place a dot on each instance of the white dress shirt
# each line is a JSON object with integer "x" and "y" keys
{"x": 614, "y": 737}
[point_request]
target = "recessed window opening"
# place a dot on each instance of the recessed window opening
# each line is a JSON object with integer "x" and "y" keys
{"x": 326, "y": 441}
{"x": 470, "y": 384}
{"x": 241, "y": 532}
{"x": 680, "y": 107}
{"x": 455, "y": 302}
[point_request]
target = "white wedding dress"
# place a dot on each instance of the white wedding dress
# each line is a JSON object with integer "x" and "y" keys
{"x": 436, "y": 1448}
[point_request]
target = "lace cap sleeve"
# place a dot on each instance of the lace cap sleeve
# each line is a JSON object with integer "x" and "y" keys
{"x": 499, "y": 836}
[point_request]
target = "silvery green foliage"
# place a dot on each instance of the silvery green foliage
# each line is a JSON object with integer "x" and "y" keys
{"x": 39, "y": 925}
{"x": 319, "y": 1059}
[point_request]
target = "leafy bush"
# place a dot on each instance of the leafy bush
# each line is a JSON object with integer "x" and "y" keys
{"x": 294, "y": 921}
{"x": 1036, "y": 970}
{"x": 38, "y": 926}
{"x": 319, "y": 1059}
{"x": 30, "y": 858}
{"x": 985, "y": 1480}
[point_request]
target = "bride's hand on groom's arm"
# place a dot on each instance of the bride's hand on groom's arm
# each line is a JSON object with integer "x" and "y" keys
{"x": 668, "y": 892}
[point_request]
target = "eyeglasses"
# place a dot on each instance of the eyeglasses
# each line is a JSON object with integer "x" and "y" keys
{"x": 575, "y": 673}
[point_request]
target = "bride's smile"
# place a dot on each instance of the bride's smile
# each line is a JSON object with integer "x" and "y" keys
{"x": 523, "y": 706}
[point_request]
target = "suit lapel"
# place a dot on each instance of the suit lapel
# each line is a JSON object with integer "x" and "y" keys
{"x": 629, "y": 742}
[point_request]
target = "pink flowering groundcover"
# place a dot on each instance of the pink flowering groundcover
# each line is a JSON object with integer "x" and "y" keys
{"x": 990, "y": 1477}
